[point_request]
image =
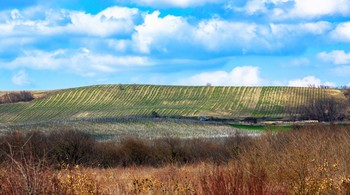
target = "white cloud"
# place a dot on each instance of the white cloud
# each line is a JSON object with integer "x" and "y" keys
{"x": 113, "y": 20}
{"x": 161, "y": 33}
{"x": 21, "y": 78}
{"x": 222, "y": 35}
{"x": 82, "y": 62}
{"x": 217, "y": 34}
{"x": 109, "y": 22}
{"x": 170, "y": 35}
{"x": 6, "y": 29}
{"x": 317, "y": 8}
{"x": 258, "y": 6}
{"x": 315, "y": 28}
{"x": 239, "y": 76}
{"x": 342, "y": 32}
{"x": 119, "y": 45}
{"x": 176, "y": 3}
{"x": 254, "y": 6}
{"x": 31, "y": 22}
{"x": 175, "y": 34}
{"x": 283, "y": 9}
{"x": 335, "y": 57}
{"x": 309, "y": 81}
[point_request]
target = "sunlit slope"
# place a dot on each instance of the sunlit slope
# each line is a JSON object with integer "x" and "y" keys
{"x": 141, "y": 100}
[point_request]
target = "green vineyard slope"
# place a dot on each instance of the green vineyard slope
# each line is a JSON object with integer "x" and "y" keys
{"x": 140, "y": 100}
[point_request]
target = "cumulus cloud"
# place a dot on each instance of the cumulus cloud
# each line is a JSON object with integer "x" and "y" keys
{"x": 309, "y": 81}
{"x": 335, "y": 57}
{"x": 317, "y": 8}
{"x": 160, "y": 33}
{"x": 21, "y": 78}
{"x": 284, "y": 9}
{"x": 129, "y": 30}
{"x": 175, "y": 3}
{"x": 81, "y": 62}
{"x": 260, "y": 6}
{"x": 109, "y": 22}
{"x": 175, "y": 34}
{"x": 226, "y": 36}
{"x": 342, "y": 32}
{"x": 217, "y": 34}
{"x": 32, "y": 22}
{"x": 254, "y": 6}
{"x": 239, "y": 76}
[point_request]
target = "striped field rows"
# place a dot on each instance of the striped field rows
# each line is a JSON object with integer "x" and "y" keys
{"x": 141, "y": 100}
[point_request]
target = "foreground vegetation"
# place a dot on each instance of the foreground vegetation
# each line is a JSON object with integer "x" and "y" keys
{"x": 105, "y": 101}
{"x": 306, "y": 160}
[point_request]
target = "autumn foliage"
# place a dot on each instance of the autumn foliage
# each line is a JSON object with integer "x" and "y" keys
{"x": 13, "y": 97}
{"x": 307, "y": 160}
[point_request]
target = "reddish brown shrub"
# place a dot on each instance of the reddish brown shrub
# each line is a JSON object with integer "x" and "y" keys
{"x": 13, "y": 97}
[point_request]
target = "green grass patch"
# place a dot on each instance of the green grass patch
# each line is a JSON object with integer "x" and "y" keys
{"x": 262, "y": 127}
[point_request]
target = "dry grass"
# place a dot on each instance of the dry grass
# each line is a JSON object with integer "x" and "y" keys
{"x": 311, "y": 160}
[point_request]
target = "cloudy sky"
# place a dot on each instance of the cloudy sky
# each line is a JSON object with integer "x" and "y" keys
{"x": 69, "y": 43}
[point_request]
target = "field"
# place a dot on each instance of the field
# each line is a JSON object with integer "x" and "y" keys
{"x": 105, "y": 101}
{"x": 147, "y": 128}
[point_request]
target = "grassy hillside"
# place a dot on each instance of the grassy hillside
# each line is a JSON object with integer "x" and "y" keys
{"x": 141, "y": 100}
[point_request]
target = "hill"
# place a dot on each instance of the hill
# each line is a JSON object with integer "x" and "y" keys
{"x": 140, "y": 100}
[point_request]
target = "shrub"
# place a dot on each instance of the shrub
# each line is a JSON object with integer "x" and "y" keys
{"x": 78, "y": 148}
{"x": 135, "y": 152}
{"x": 154, "y": 114}
{"x": 13, "y": 97}
{"x": 72, "y": 147}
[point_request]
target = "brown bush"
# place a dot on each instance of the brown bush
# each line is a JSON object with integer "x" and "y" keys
{"x": 72, "y": 147}
{"x": 23, "y": 146}
{"x": 78, "y": 148}
{"x": 13, "y": 97}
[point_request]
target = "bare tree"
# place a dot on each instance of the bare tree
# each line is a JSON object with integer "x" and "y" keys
{"x": 328, "y": 109}
{"x": 347, "y": 94}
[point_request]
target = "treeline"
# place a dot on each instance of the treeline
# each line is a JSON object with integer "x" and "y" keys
{"x": 13, "y": 97}
{"x": 71, "y": 147}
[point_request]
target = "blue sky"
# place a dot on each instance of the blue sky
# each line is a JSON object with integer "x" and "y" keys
{"x": 69, "y": 43}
